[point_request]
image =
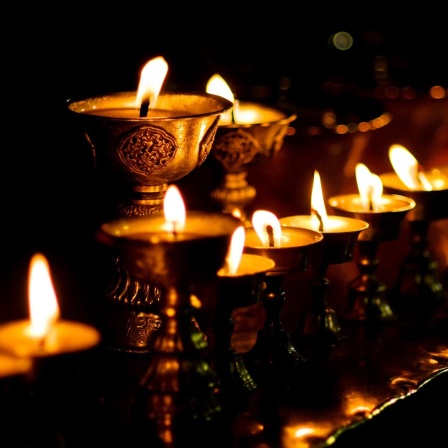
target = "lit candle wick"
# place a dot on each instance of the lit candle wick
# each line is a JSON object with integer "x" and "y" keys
{"x": 270, "y": 232}
{"x": 321, "y": 222}
{"x": 174, "y": 230}
{"x": 369, "y": 198}
{"x": 144, "y": 107}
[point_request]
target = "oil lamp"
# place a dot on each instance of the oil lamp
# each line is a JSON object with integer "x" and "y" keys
{"x": 141, "y": 141}
{"x": 44, "y": 334}
{"x": 273, "y": 354}
{"x": 418, "y": 289}
{"x": 175, "y": 252}
{"x": 384, "y": 213}
{"x": 240, "y": 283}
{"x": 248, "y": 134}
{"x": 340, "y": 235}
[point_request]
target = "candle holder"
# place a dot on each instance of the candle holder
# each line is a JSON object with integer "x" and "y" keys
{"x": 238, "y": 146}
{"x": 179, "y": 387}
{"x": 321, "y": 323}
{"x": 418, "y": 290}
{"x": 135, "y": 158}
{"x": 274, "y": 358}
{"x": 236, "y": 291}
{"x": 367, "y": 299}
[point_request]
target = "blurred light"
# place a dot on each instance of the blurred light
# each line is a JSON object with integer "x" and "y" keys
{"x": 437, "y": 92}
{"x": 341, "y": 41}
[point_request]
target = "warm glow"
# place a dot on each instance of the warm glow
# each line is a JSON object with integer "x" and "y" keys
{"x": 318, "y": 210}
{"x": 408, "y": 169}
{"x": 370, "y": 187}
{"x": 151, "y": 79}
{"x": 267, "y": 226}
{"x": 235, "y": 251}
{"x": 217, "y": 86}
{"x": 174, "y": 209}
{"x": 43, "y": 304}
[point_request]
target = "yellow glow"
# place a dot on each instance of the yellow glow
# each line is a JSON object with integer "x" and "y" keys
{"x": 318, "y": 203}
{"x": 407, "y": 168}
{"x": 217, "y": 86}
{"x": 43, "y": 304}
{"x": 370, "y": 187}
{"x": 151, "y": 80}
{"x": 341, "y": 40}
{"x": 174, "y": 209}
{"x": 261, "y": 219}
{"x": 235, "y": 250}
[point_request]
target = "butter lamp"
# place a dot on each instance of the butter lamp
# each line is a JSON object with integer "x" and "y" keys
{"x": 368, "y": 299}
{"x": 248, "y": 134}
{"x": 274, "y": 355}
{"x": 340, "y": 236}
{"x": 174, "y": 251}
{"x": 418, "y": 290}
{"x": 140, "y": 142}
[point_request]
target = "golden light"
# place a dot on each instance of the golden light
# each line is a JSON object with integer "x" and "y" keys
{"x": 235, "y": 251}
{"x": 151, "y": 80}
{"x": 408, "y": 169}
{"x": 267, "y": 226}
{"x": 43, "y": 304}
{"x": 318, "y": 210}
{"x": 174, "y": 209}
{"x": 217, "y": 86}
{"x": 370, "y": 187}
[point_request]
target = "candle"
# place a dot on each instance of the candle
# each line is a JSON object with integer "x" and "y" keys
{"x": 239, "y": 264}
{"x": 160, "y": 247}
{"x": 340, "y": 232}
{"x": 287, "y": 246}
{"x": 242, "y": 113}
{"x": 44, "y": 334}
{"x": 429, "y": 189}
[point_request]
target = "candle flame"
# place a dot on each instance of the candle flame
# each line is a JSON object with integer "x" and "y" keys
{"x": 174, "y": 209}
{"x": 43, "y": 304}
{"x": 267, "y": 226}
{"x": 408, "y": 169}
{"x": 217, "y": 86}
{"x": 318, "y": 210}
{"x": 235, "y": 250}
{"x": 151, "y": 79}
{"x": 370, "y": 187}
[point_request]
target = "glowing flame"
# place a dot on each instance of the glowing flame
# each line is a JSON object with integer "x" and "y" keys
{"x": 151, "y": 79}
{"x": 217, "y": 86}
{"x": 235, "y": 250}
{"x": 174, "y": 209}
{"x": 318, "y": 210}
{"x": 268, "y": 228}
{"x": 370, "y": 187}
{"x": 43, "y": 304}
{"x": 408, "y": 169}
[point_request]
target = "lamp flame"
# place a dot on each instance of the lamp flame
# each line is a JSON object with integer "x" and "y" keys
{"x": 235, "y": 251}
{"x": 408, "y": 169}
{"x": 43, "y": 304}
{"x": 174, "y": 209}
{"x": 267, "y": 226}
{"x": 151, "y": 79}
{"x": 370, "y": 187}
{"x": 318, "y": 210}
{"x": 217, "y": 86}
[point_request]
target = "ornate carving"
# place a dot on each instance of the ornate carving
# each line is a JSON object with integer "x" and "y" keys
{"x": 235, "y": 149}
{"x": 147, "y": 149}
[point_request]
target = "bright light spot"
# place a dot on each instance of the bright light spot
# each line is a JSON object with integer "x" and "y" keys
{"x": 341, "y": 41}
